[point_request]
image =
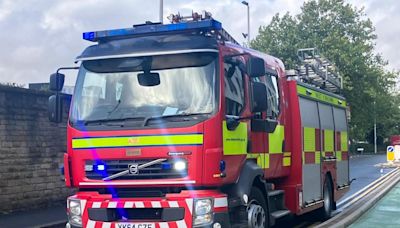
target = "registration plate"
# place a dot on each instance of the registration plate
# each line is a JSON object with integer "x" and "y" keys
{"x": 135, "y": 225}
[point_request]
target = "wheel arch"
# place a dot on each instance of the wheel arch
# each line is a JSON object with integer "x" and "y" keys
{"x": 250, "y": 175}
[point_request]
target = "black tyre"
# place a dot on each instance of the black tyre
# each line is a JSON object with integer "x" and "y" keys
{"x": 326, "y": 210}
{"x": 257, "y": 210}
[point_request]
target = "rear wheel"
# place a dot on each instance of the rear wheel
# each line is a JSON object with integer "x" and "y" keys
{"x": 257, "y": 212}
{"x": 326, "y": 210}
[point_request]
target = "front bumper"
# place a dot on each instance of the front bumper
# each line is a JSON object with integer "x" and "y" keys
{"x": 173, "y": 210}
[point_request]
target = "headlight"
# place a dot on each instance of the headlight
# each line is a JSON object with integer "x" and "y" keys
{"x": 203, "y": 206}
{"x": 180, "y": 165}
{"x": 203, "y": 211}
{"x": 75, "y": 212}
{"x": 75, "y": 207}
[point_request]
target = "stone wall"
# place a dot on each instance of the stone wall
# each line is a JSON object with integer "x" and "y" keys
{"x": 31, "y": 151}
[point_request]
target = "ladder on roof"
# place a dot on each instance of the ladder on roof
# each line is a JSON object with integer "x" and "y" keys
{"x": 316, "y": 70}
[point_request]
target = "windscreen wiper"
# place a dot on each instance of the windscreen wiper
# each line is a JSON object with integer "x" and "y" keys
{"x": 115, "y": 108}
{"x": 100, "y": 121}
{"x": 146, "y": 120}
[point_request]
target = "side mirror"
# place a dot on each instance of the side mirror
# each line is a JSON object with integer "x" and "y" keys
{"x": 55, "y": 108}
{"x": 260, "y": 125}
{"x": 271, "y": 125}
{"x": 259, "y": 97}
{"x": 149, "y": 79}
{"x": 255, "y": 67}
{"x": 56, "y": 82}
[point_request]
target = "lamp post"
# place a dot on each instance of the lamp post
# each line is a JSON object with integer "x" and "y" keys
{"x": 375, "y": 137}
{"x": 161, "y": 11}
{"x": 248, "y": 21}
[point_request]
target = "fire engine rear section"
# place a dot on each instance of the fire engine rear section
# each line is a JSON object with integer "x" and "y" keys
{"x": 177, "y": 125}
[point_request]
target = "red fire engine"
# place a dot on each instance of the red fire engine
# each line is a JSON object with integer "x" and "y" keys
{"x": 177, "y": 125}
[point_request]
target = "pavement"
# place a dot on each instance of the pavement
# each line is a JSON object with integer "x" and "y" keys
{"x": 384, "y": 214}
{"x": 362, "y": 167}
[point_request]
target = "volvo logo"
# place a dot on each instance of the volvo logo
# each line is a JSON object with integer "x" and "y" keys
{"x": 133, "y": 169}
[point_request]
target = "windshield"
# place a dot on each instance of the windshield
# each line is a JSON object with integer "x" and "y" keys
{"x": 113, "y": 89}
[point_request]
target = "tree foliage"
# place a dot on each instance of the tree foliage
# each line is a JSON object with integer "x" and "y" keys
{"x": 344, "y": 35}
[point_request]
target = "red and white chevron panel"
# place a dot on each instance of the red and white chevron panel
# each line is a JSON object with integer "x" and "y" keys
{"x": 220, "y": 204}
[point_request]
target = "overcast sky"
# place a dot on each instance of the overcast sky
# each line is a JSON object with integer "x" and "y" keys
{"x": 38, "y": 36}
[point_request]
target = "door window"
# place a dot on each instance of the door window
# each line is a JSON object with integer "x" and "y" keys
{"x": 234, "y": 90}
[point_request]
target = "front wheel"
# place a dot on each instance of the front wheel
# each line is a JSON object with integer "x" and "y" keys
{"x": 257, "y": 212}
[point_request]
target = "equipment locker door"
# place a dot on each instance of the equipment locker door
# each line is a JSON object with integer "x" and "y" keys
{"x": 311, "y": 151}
{"x": 341, "y": 147}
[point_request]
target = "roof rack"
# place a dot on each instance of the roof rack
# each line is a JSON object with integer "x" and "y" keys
{"x": 200, "y": 23}
{"x": 317, "y": 70}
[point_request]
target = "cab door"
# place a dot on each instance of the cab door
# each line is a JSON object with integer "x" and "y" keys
{"x": 235, "y": 129}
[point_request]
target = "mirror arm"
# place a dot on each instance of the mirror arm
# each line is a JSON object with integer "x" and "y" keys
{"x": 237, "y": 118}
{"x": 67, "y": 68}
{"x": 247, "y": 117}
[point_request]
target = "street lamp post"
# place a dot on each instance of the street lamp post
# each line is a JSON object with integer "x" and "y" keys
{"x": 248, "y": 21}
{"x": 161, "y": 11}
{"x": 375, "y": 137}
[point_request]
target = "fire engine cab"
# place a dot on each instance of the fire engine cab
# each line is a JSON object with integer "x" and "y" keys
{"x": 177, "y": 125}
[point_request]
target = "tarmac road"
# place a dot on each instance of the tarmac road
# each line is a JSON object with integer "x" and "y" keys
{"x": 363, "y": 168}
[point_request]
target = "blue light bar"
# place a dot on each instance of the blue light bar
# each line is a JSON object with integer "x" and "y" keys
{"x": 144, "y": 30}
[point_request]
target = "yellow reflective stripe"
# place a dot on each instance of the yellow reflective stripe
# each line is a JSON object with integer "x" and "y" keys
{"x": 328, "y": 140}
{"x": 343, "y": 141}
{"x": 262, "y": 159}
{"x": 317, "y": 157}
{"x": 338, "y": 155}
{"x": 235, "y": 141}
{"x": 320, "y": 96}
{"x": 309, "y": 139}
{"x": 130, "y": 141}
{"x": 287, "y": 161}
{"x": 275, "y": 140}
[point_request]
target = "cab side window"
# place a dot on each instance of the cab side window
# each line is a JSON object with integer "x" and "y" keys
{"x": 234, "y": 90}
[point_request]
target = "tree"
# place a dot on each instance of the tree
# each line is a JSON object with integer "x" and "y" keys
{"x": 346, "y": 37}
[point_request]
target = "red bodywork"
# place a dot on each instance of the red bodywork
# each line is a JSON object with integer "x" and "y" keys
{"x": 395, "y": 140}
{"x": 203, "y": 160}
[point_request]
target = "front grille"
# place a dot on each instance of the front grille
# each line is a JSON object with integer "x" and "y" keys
{"x": 100, "y": 169}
